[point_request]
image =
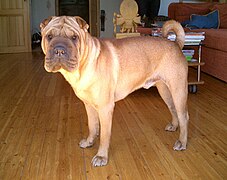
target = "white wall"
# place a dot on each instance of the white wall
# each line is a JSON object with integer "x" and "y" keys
{"x": 40, "y": 10}
{"x": 164, "y": 6}
{"x": 110, "y": 6}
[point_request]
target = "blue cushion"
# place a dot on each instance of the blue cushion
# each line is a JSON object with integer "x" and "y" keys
{"x": 185, "y": 23}
{"x": 208, "y": 21}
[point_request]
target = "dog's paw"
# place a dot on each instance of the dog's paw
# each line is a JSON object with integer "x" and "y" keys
{"x": 84, "y": 143}
{"x": 170, "y": 127}
{"x": 99, "y": 161}
{"x": 178, "y": 146}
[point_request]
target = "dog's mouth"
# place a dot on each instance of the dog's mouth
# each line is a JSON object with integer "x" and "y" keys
{"x": 61, "y": 56}
{"x": 61, "y": 53}
{"x": 55, "y": 64}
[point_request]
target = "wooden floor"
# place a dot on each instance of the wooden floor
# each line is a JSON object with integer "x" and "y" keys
{"x": 42, "y": 121}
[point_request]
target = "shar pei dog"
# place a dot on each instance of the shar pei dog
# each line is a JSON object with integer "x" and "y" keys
{"x": 104, "y": 71}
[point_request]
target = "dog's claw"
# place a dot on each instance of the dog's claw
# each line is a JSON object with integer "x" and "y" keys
{"x": 99, "y": 161}
{"x": 178, "y": 146}
{"x": 84, "y": 143}
{"x": 170, "y": 127}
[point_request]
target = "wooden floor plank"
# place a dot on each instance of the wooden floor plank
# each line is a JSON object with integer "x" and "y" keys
{"x": 157, "y": 118}
{"x": 42, "y": 122}
{"x": 159, "y": 150}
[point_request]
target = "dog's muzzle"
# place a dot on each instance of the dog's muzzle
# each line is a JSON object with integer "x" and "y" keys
{"x": 60, "y": 51}
{"x": 61, "y": 54}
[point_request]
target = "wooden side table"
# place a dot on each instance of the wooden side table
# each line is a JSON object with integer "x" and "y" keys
{"x": 144, "y": 31}
{"x": 193, "y": 84}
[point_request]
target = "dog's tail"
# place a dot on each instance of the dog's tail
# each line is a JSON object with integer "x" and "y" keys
{"x": 176, "y": 27}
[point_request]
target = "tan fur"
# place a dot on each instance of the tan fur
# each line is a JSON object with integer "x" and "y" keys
{"x": 102, "y": 72}
{"x": 177, "y": 29}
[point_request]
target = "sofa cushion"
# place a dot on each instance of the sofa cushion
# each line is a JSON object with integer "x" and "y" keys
{"x": 208, "y": 21}
{"x": 222, "y": 8}
{"x": 215, "y": 38}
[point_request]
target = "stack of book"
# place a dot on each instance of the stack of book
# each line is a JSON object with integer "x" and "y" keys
{"x": 156, "y": 31}
{"x": 188, "y": 53}
{"x": 191, "y": 38}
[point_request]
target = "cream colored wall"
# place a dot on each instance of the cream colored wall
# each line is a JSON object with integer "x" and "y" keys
{"x": 110, "y": 6}
{"x": 164, "y": 6}
{"x": 41, "y": 9}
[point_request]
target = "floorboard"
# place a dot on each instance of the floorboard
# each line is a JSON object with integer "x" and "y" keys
{"x": 42, "y": 122}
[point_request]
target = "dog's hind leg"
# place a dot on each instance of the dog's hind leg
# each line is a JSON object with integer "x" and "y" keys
{"x": 179, "y": 91}
{"x": 167, "y": 97}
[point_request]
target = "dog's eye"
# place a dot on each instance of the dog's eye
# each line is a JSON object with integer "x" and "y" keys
{"x": 74, "y": 38}
{"x": 50, "y": 37}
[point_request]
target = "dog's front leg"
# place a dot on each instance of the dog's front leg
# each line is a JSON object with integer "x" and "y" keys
{"x": 93, "y": 125}
{"x": 105, "y": 116}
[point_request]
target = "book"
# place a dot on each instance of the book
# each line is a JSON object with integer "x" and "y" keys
{"x": 156, "y": 32}
{"x": 188, "y": 53}
{"x": 188, "y": 58}
{"x": 191, "y": 38}
{"x": 194, "y": 40}
{"x": 187, "y": 38}
{"x": 192, "y": 43}
{"x": 195, "y": 33}
{"x": 193, "y": 60}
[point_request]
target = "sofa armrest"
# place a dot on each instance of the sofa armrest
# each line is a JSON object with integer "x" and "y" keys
{"x": 171, "y": 11}
{"x": 183, "y": 11}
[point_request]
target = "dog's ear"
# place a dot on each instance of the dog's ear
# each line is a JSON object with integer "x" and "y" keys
{"x": 82, "y": 23}
{"x": 45, "y": 22}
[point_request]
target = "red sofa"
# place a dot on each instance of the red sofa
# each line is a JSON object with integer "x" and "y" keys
{"x": 214, "y": 51}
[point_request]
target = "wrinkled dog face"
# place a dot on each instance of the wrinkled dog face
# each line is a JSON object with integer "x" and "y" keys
{"x": 61, "y": 42}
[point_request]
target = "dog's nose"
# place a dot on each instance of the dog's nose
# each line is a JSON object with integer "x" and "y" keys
{"x": 59, "y": 50}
